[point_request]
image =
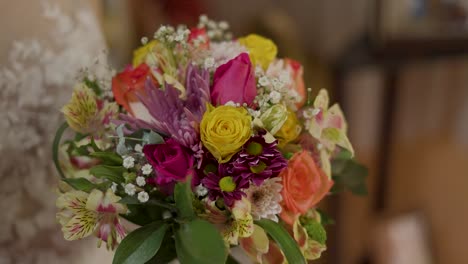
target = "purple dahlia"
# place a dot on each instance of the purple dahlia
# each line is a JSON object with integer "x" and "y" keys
{"x": 259, "y": 160}
{"x": 225, "y": 184}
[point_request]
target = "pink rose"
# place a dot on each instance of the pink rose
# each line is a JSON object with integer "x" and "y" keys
{"x": 234, "y": 81}
{"x": 171, "y": 162}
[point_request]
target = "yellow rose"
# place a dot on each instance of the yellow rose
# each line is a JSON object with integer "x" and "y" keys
{"x": 224, "y": 130}
{"x": 289, "y": 131}
{"x": 140, "y": 55}
{"x": 261, "y": 50}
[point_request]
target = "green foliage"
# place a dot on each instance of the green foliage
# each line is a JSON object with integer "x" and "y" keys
{"x": 152, "y": 138}
{"x": 348, "y": 174}
{"x": 80, "y": 184}
{"x": 143, "y": 214}
{"x": 107, "y": 158}
{"x": 315, "y": 231}
{"x": 56, "y": 146}
{"x": 93, "y": 85}
{"x": 167, "y": 251}
{"x": 199, "y": 242}
{"x": 325, "y": 218}
{"x": 141, "y": 245}
{"x": 111, "y": 173}
{"x": 183, "y": 197}
{"x": 129, "y": 176}
{"x": 287, "y": 244}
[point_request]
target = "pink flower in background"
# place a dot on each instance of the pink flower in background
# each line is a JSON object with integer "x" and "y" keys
{"x": 234, "y": 81}
{"x": 170, "y": 160}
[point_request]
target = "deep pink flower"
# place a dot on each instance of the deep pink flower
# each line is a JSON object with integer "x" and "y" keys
{"x": 171, "y": 161}
{"x": 234, "y": 81}
{"x": 225, "y": 184}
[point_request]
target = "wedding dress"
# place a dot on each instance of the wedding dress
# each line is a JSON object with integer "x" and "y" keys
{"x": 43, "y": 46}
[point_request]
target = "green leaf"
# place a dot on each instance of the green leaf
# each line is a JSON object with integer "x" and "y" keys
{"x": 199, "y": 242}
{"x": 80, "y": 184}
{"x": 107, "y": 158}
{"x": 143, "y": 214}
{"x": 183, "y": 197}
{"x": 286, "y": 243}
{"x": 56, "y": 146}
{"x": 348, "y": 174}
{"x": 129, "y": 200}
{"x": 112, "y": 173}
{"x": 316, "y": 231}
{"x": 141, "y": 245}
{"x": 93, "y": 85}
{"x": 152, "y": 138}
{"x": 167, "y": 251}
{"x": 231, "y": 260}
{"x": 325, "y": 218}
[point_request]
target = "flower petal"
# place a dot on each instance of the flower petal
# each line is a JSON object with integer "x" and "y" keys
{"x": 80, "y": 225}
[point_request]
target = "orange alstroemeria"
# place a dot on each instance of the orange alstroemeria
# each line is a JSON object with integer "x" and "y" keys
{"x": 128, "y": 83}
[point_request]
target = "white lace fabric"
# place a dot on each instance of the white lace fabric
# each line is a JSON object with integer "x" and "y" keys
{"x": 43, "y": 46}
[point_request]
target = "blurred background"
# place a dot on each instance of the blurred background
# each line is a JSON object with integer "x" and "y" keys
{"x": 399, "y": 68}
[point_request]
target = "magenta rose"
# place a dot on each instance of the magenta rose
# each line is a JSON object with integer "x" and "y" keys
{"x": 171, "y": 162}
{"x": 234, "y": 81}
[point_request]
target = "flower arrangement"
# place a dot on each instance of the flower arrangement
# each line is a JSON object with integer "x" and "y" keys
{"x": 204, "y": 143}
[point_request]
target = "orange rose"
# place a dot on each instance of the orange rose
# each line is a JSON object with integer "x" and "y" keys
{"x": 126, "y": 84}
{"x": 304, "y": 185}
{"x": 297, "y": 72}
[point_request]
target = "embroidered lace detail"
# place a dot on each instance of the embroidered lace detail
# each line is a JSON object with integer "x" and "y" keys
{"x": 35, "y": 81}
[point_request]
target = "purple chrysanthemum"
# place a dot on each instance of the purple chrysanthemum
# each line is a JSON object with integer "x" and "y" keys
{"x": 225, "y": 184}
{"x": 172, "y": 115}
{"x": 259, "y": 160}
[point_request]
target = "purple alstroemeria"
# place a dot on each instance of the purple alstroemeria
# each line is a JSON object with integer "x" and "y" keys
{"x": 225, "y": 184}
{"x": 259, "y": 160}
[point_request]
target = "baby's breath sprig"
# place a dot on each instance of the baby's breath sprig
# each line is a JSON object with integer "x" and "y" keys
{"x": 215, "y": 30}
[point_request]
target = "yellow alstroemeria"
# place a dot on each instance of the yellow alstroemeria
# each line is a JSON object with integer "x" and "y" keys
{"x": 144, "y": 54}
{"x": 241, "y": 225}
{"x": 274, "y": 118}
{"x": 262, "y": 250}
{"x": 262, "y": 51}
{"x": 82, "y": 214}
{"x": 289, "y": 131}
{"x": 310, "y": 248}
{"x": 85, "y": 114}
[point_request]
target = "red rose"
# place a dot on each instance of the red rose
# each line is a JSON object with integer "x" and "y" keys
{"x": 171, "y": 161}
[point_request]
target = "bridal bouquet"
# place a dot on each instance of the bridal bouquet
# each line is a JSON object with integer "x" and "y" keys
{"x": 204, "y": 143}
